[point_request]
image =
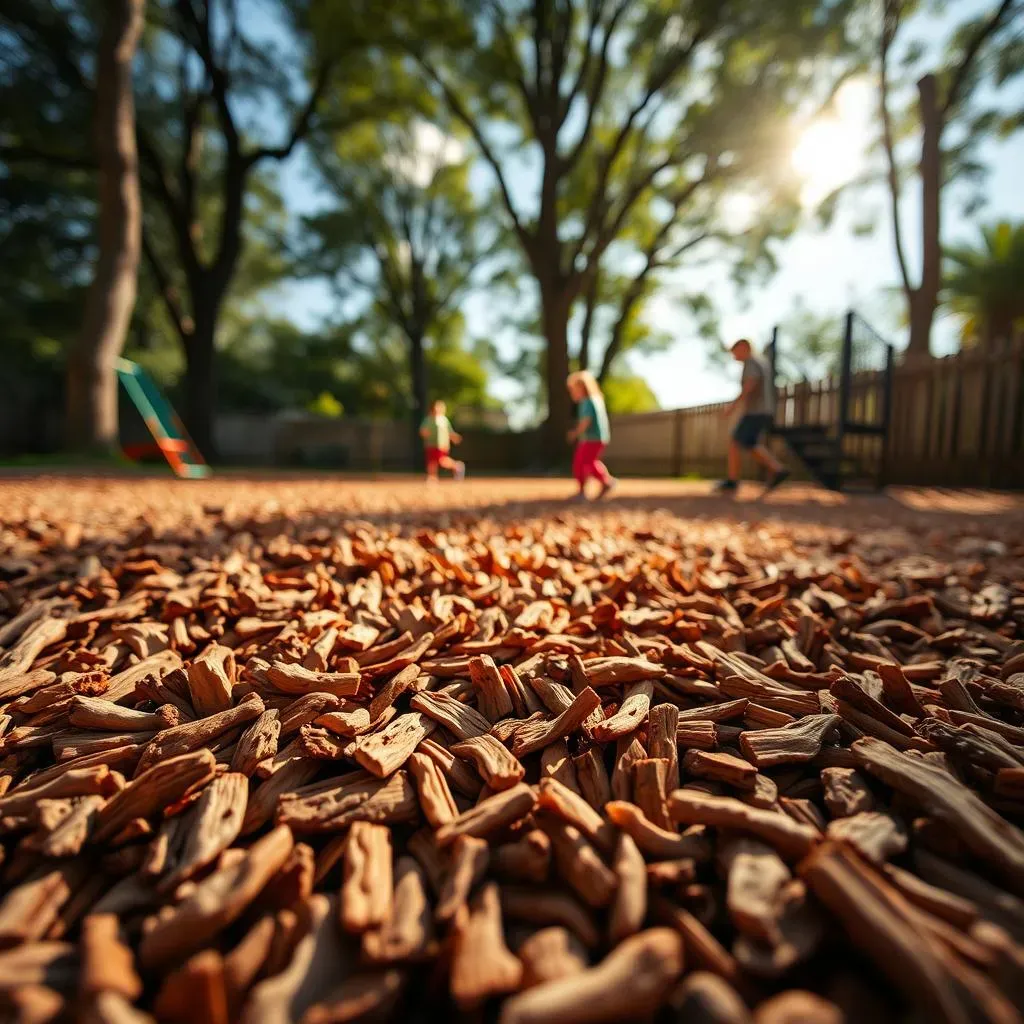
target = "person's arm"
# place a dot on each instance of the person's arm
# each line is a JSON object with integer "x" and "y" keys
{"x": 580, "y": 429}
{"x": 583, "y": 422}
{"x": 751, "y": 381}
{"x": 454, "y": 436}
{"x": 749, "y": 387}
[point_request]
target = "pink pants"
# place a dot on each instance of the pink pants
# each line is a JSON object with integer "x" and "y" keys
{"x": 587, "y": 462}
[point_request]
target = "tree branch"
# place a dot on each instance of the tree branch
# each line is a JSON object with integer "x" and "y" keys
{"x": 519, "y": 78}
{"x": 590, "y": 307}
{"x": 612, "y": 227}
{"x": 168, "y": 293}
{"x": 219, "y": 78}
{"x": 596, "y": 89}
{"x": 301, "y": 125}
{"x": 163, "y": 191}
{"x": 635, "y": 292}
{"x": 599, "y": 201}
{"x": 57, "y": 39}
{"x": 459, "y": 110}
{"x": 960, "y": 73}
{"x": 890, "y": 25}
{"x": 31, "y": 154}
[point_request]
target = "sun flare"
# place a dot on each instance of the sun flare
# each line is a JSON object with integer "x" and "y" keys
{"x": 830, "y": 150}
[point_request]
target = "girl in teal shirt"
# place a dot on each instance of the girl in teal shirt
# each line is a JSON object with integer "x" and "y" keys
{"x": 591, "y": 433}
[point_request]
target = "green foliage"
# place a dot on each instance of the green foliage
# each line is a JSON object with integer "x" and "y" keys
{"x": 809, "y": 343}
{"x": 984, "y": 283}
{"x": 325, "y": 405}
{"x": 627, "y": 393}
{"x": 616, "y": 133}
{"x": 405, "y": 233}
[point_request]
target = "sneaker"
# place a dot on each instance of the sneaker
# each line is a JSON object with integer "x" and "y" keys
{"x": 776, "y": 479}
{"x": 579, "y": 498}
{"x": 460, "y": 471}
{"x": 607, "y": 489}
{"x": 726, "y": 487}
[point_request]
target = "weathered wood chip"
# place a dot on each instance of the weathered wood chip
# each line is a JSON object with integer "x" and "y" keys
{"x": 382, "y": 753}
{"x": 496, "y": 766}
{"x": 459, "y": 719}
{"x": 789, "y": 838}
{"x": 490, "y": 815}
{"x": 211, "y": 679}
{"x": 632, "y": 981}
{"x": 408, "y": 931}
{"x": 366, "y": 892}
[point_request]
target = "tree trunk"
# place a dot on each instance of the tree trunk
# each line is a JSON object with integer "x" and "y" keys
{"x": 201, "y": 380}
{"x": 555, "y": 310}
{"x": 925, "y": 299}
{"x": 92, "y": 382}
{"x": 418, "y": 373}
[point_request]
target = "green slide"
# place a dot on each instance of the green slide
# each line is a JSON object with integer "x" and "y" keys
{"x": 169, "y": 434}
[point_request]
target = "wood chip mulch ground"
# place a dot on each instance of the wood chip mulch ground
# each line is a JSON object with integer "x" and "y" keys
{"x": 276, "y": 751}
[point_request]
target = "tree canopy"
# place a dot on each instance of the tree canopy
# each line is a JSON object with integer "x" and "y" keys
{"x": 983, "y": 284}
{"x": 618, "y": 113}
{"x": 569, "y": 167}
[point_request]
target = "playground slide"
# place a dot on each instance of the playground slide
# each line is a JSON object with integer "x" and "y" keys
{"x": 169, "y": 435}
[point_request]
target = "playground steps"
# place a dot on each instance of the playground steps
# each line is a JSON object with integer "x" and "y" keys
{"x": 821, "y": 452}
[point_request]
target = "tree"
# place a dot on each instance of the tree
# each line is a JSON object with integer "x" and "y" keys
{"x": 809, "y": 344}
{"x": 201, "y": 77}
{"x": 92, "y": 381}
{"x": 943, "y": 97}
{"x": 628, "y": 394}
{"x": 984, "y": 284}
{"x": 405, "y": 232}
{"x": 204, "y": 83}
{"x": 270, "y": 365}
{"x": 612, "y": 104}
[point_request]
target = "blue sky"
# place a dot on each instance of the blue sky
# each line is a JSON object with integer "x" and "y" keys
{"x": 826, "y": 270}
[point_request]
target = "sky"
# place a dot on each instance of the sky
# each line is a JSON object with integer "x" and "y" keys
{"x": 826, "y": 270}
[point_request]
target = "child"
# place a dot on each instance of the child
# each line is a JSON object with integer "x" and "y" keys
{"x": 438, "y": 437}
{"x": 591, "y": 433}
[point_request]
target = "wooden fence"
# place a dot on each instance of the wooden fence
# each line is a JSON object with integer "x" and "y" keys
{"x": 955, "y": 422}
{"x": 959, "y": 421}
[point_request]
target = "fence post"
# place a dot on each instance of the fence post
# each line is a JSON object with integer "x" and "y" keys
{"x": 845, "y": 373}
{"x": 677, "y": 444}
{"x": 887, "y": 383}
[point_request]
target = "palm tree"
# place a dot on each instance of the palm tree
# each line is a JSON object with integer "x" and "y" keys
{"x": 984, "y": 284}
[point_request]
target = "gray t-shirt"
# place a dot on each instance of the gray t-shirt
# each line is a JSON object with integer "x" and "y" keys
{"x": 761, "y": 401}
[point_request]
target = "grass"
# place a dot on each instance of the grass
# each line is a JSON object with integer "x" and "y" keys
{"x": 79, "y": 461}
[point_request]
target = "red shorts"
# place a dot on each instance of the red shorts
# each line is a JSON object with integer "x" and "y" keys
{"x": 434, "y": 457}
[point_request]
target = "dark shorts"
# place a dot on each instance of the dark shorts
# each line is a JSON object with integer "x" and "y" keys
{"x": 748, "y": 432}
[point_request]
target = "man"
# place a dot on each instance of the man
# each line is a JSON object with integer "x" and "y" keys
{"x": 757, "y": 402}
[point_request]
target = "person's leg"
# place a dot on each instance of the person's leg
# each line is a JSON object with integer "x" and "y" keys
{"x": 742, "y": 439}
{"x": 735, "y": 460}
{"x": 766, "y": 458}
{"x": 582, "y": 464}
{"x": 735, "y": 465}
{"x": 431, "y": 460}
{"x": 777, "y": 472}
{"x": 597, "y": 467}
{"x": 600, "y": 470}
{"x": 457, "y": 469}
